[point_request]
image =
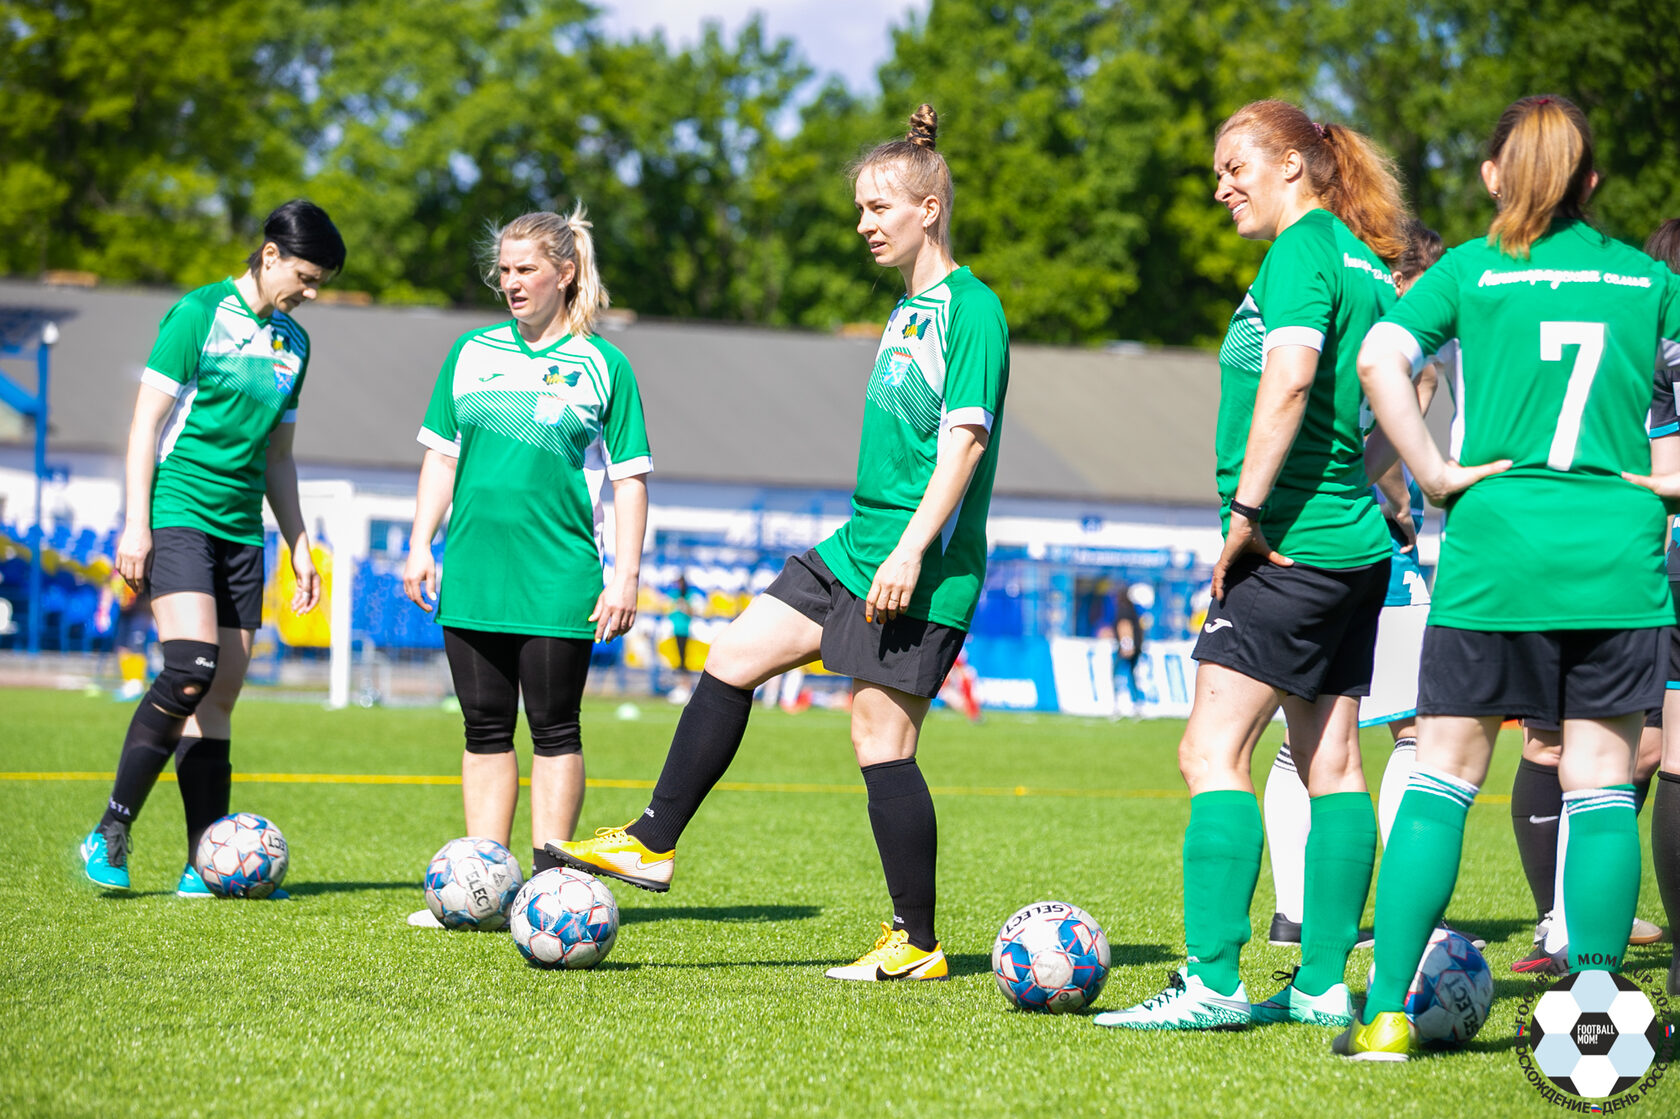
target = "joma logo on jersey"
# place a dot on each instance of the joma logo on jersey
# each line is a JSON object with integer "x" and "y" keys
{"x": 916, "y": 328}
{"x": 555, "y": 376}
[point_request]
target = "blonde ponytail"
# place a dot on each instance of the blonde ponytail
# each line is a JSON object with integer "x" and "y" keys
{"x": 1544, "y": 150}
{"x": 561, "y": 239}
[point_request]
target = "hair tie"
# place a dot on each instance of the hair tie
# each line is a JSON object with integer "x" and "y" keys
{"x": 1323, "y": 133}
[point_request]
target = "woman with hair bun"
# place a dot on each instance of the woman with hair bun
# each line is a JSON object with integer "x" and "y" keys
{"x": 1560, "y": 328}
{"x": 211, "y": 437}
{"x": 528, "y": 419}
{"x": 1301, "y": 581}
{"x": 888, "y": 598}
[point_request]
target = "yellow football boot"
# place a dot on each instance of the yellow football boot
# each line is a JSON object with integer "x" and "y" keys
{"x": 894, "y": 957}
{"x": 1388, "y": 1037}
{"x": 616, "y": 853}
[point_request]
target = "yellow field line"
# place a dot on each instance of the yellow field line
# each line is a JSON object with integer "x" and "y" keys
{"x": 622, "y": 783}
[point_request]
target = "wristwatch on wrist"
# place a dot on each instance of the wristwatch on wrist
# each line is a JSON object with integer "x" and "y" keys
{"x": 1252, "y": 512}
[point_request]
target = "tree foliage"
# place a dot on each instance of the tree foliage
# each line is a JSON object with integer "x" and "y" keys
{"x": 146, "y": 143}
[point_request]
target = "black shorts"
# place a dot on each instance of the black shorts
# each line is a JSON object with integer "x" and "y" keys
{"x": 908, "y": 654}
{"x": 1308, "y": 631}
{"x": 1542, "y": 677}
{"x": 185, "y": 559}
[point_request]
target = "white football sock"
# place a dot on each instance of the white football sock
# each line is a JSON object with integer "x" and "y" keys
{"x": 1401, "y": 761}
{"x": 1288, "y": 818}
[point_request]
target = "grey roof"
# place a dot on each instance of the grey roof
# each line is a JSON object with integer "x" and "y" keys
{"x": 724, "y": 403}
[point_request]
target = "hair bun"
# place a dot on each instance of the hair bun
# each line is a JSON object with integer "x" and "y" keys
{"x": 924, "y": 127}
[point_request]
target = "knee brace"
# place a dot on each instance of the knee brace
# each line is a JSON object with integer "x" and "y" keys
{"x": 188, "y": 669}
{"x": 553, "y": 741}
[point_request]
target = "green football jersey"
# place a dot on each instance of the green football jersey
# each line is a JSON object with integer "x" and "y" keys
{"x": 534, "y": 434}
{"x": 1555, "y": 372}
{"x": 943, "y": 362}
{"x": 234, "y": 377}
{"x": 1320, "y": 287}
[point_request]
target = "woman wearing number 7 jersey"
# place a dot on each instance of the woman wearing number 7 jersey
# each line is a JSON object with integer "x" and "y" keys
{"x": 1559, "y": 328}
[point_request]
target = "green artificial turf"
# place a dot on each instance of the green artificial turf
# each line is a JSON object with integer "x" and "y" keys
{"x": 713, "y": 1000}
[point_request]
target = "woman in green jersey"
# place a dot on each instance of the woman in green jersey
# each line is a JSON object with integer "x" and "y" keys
{"x": 887, "y": 599}
{"x": 1559, "y": 327}
{"x": 211, "y": 437}
{"x": 529, "y": 417}
{"x": 1300, "y": 583}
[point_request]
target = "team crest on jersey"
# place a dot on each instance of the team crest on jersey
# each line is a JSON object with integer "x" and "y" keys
{"x": 895, "y": 366}
{"x": 285, "y": 376}
{"x": 556, "y": 375}
{"x": 915, "y": 328}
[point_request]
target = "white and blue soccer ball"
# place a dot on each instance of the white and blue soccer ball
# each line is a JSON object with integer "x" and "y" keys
{"x": 242, "y": 856}
{"x": 1051, "y": 956}
{"x": 471, "y": 882}
{"x": 1451, "y": 993}
{"x": 564, "y": 918}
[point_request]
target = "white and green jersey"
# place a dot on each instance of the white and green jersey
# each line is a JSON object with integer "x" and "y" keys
{"x": 1554, "y": 373}
{"x": 534, "y": 433}
{"x": 1320, "y": 287}
{"x": 234, "y": 377}
{"x": 943, "y": 363}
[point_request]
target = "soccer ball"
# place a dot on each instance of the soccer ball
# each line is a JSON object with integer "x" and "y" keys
{"x": 1451, "y": 993}
{"x": 564, "y": 918}
{"x": 470, "y": 882}
{"x": 242, "y": 856}
{"x": 1050, "y": 956}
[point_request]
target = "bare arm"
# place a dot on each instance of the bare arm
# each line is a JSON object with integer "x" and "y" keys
{"x": 615, "y": 610}
{"x": 1280, "y": 403}
{"x": 1385, "y": 375}
{"x": 134, "y": 547}
{"x": 431, "y": 502}
{"x": 895, "y": 579}
{"x": 281, "y": 483}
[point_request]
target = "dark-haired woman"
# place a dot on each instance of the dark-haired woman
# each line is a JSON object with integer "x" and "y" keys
{"x": 1560, "y": 329}
{"x": 211, "y": 437}
{"x": 1301, "y": 580}
{"x": 888, "y": 598}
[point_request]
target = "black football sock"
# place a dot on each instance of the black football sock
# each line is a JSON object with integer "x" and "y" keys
{"x": 907, "y": 835}
{"x": 541, "y": 860}
{"x": 1536, "y": 807}
{"x": 150, "y": 741}
{"x": 1641, "y": 790}
{"x": 1665, "y": 858}
{"x": 205, "y": 775}
{"x": 708, "y": 734}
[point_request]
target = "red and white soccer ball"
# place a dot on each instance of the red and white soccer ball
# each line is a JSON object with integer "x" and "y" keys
{"x": 564, "y": 918}
{"x": 242, "y": 856}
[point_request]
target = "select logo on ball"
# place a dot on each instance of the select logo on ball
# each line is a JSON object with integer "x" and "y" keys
{"x": 1595, "y": 1036}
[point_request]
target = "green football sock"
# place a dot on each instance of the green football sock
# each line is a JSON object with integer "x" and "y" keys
{"x": 1221, "y": 866}
{"x": 1419, "y": 871}
{"x": 1600, "y": 876}
{"x": 1341, "y": 849}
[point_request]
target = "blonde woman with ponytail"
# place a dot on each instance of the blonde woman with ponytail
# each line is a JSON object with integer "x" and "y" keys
{"x": 528, "y": 419}
{"x": 1302, "y": 578}
{"x": 887, "y": 599}
{"x": 1560, "y": 328}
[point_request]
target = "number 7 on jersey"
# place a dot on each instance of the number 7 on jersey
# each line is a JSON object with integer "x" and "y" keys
{"x": 1589, "y": 337}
